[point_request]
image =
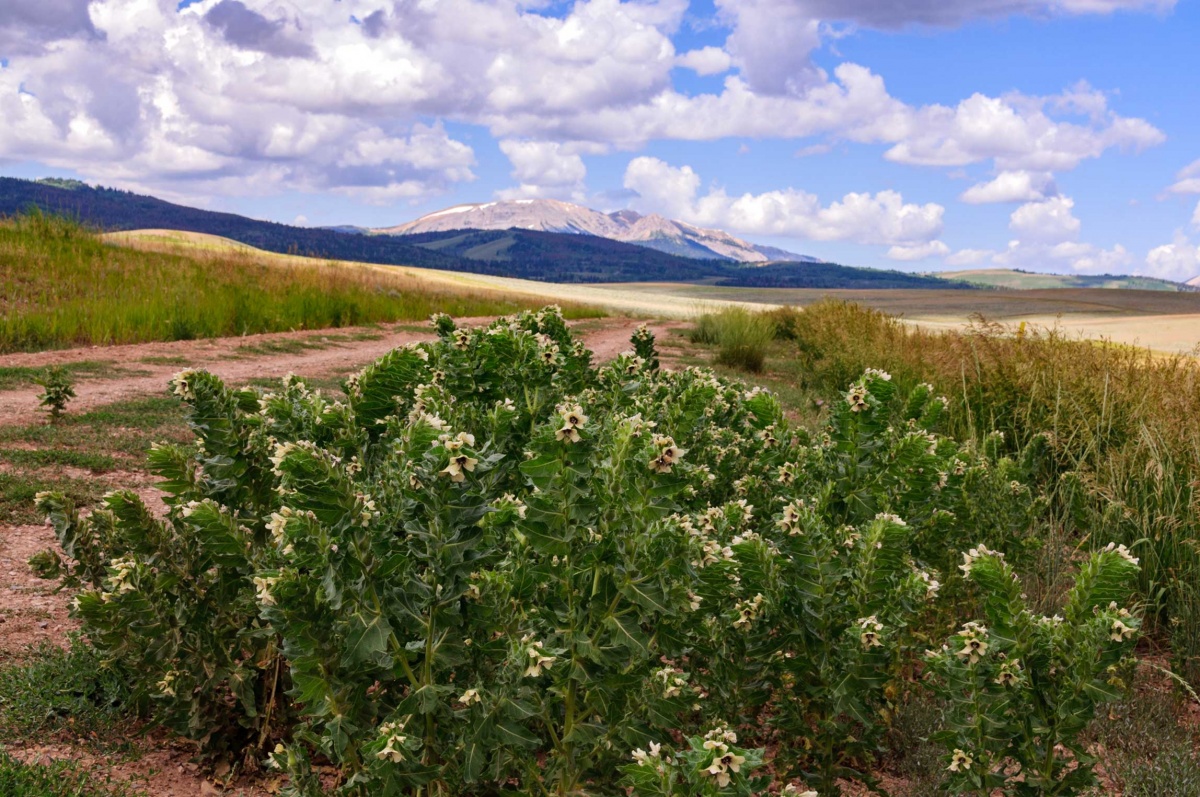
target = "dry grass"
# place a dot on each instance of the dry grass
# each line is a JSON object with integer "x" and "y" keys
{"x": 1121, "y": 421}
{"x": 60, "y": 286}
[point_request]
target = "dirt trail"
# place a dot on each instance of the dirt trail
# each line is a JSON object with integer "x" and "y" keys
{"x": 33, "y": 613}
{"x": 332, "y": 353}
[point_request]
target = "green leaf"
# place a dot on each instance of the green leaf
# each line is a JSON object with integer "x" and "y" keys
{"x": 647, "y": 594}
{"x": 367, "y": 641}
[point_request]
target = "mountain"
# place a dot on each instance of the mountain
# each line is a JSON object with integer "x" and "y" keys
{"x": 574, "y": 256}
{"x": 550, "y": 215}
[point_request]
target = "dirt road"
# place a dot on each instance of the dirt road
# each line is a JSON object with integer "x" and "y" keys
{"x": 144, "y": 369}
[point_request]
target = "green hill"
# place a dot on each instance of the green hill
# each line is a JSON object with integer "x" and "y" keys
{"x": 1029, "y": 280}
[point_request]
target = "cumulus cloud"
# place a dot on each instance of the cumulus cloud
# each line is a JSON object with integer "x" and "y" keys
{"x": 1178, "y": 260}
{"x": 882, "y": 218}
{"x": 891, "y": 15}
{"x": 705, "y": 61}
{"x": 1018, "y": 132}
{"x": 271, "y": 92}
{"x": 919, "y": 251}
{"x": 1196, "y": 215}
{"x": 544, "y": 169}
{"x": 968, "y": 257}
{"x": 1049, "y": 221}
{"x": 1048, "y": 238}
{"x": 1016, "y": 186}
{"x": 27, "y": 27}
{"x": 250, "y": 30}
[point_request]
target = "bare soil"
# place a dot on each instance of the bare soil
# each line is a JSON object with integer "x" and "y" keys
{"x": 331, "y": 353}
{"x": 32, "y": 612}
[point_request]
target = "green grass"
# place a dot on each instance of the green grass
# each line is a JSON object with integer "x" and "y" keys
{"x": 43, "y": 458}
{"x": 165, "y": 360}
{"x": 112, "y": 437}
{"x": 17, "y": 492}
{"x": 741, "y": 337}
{"x": 298, "y": 345}
{"x": 60, "y": 779}
{"x": 68, "y": 694}
{"x": 60, "y": 285}
{"x": 18, "y": 376}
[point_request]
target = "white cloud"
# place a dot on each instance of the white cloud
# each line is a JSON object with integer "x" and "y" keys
{"x": 705, "y": 61}
{"x": 1017, "y": 132}
{"x": 1017, "y": 186}
{"x": 544, "y": 169}
{"x": 1196, "y": 215}
{"x": 1049, "y": 221}
{"x": 919, "y": 251}
{"x": 1178, "y": 260}
{"x": 882, "y": 218}
{"x": 273, "y": 93}
{"x": 1187, "y": 181}
{"x": 968, "y": 257}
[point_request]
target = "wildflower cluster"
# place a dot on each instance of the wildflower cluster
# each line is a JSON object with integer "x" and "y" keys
{"x": 495, "y": 567}
{"x": 1022, "y": 689}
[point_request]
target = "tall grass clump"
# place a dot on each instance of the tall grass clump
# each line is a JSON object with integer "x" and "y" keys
{"x": 1119, "y": 421}
{"x": 61, "y": 285}
{"x": 741, "y": 337}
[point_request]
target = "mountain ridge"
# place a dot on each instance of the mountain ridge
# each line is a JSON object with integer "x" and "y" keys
{"x": 651, "y": 230}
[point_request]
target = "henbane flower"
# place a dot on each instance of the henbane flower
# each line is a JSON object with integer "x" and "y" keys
{"x": 871, "y": 627}
{"x": 573, "y": 420}
{"x": 960, "y": 761}
{"x": 458, "y": 464}
{"x": 539, "y": 661}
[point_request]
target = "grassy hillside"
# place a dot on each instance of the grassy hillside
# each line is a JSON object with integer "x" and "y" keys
{"x": 528, "y": 254}
{"x": 60, "y": 285}
{"x": 1027, "y": 280}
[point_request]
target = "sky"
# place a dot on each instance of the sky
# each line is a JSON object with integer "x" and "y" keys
{"x": 1049, "y": 135}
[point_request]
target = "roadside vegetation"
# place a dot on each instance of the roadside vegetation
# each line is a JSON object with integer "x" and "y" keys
{"x": 495, "y": 566}
{"x": 1119, "y": 425}
{"x": 490, "y": 566}
{"x": 60, "y": 285}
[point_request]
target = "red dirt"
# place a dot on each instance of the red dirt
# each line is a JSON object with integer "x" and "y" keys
{"x": 606, "y": 337}
{"x": 31, "y": 612}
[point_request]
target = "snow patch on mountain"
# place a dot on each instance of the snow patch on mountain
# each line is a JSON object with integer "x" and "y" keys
{"x": 551, "y": 215}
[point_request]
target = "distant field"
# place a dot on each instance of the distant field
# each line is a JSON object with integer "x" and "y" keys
{"x": 61, "y": 285}
{"x": 1021, "y": 280}
{"x": 1160, "y": 320}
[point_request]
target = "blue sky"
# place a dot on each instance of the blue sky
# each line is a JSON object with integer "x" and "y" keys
{"x": 1057, "y": 135}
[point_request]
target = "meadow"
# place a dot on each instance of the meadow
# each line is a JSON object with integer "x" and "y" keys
{"x": 62, "y": 285}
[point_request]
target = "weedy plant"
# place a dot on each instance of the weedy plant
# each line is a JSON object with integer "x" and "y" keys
{"x": 741, "y": 337}
{"x": 57, "y": 390}
{"x": 711, "y": 765}
{"x": 1024, "y": 687}
{"x": 497, "y": 566}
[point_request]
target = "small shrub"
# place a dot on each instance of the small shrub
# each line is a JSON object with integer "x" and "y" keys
{"x": 742, "y": 337}
{"x": 643, "y": 346}
{"x": 1022, "y": 689}
{"x": 711, "y": 765}
{"x": 57, "y": 390}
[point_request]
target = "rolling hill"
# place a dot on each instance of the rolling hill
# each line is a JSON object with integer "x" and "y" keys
{"x": 1029, "y": 280}
{"x": 532, "y": 254}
